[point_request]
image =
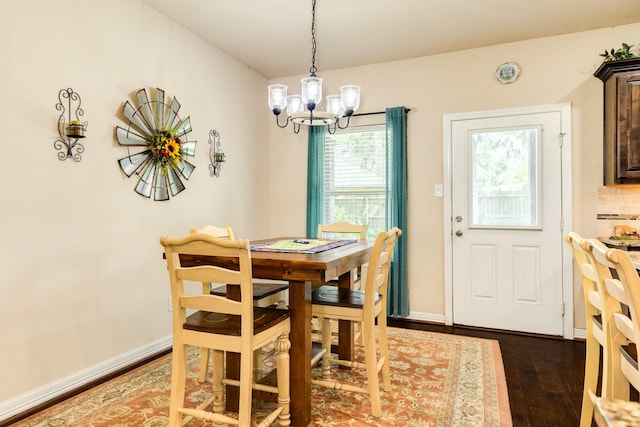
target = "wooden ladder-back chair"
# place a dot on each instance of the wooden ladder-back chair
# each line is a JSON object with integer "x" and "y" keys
{"x": 344, "y": 230}
{"x": 264, "y": 295}
{"x": 367, "y": 307}
{"x": 599, "y": 309}
{"x": 625, "y": 288}
{"x": 223, "y": 325}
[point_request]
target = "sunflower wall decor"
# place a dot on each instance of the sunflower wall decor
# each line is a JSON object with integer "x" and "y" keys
{"x": 156, "y": 126}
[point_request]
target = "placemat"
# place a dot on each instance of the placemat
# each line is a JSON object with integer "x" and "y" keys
{"x": 299, "y": 246}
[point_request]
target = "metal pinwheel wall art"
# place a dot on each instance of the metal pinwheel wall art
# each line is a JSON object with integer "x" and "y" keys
{"x": 156, "y": 127}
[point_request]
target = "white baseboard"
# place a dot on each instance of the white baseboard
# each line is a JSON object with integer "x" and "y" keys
{"x": 49, "y": 391}
{"x": 428, "y": 317}
{"x": 439, "y": 318}
{"x": 424, "y": 317}
{"x": 580, "y": 333}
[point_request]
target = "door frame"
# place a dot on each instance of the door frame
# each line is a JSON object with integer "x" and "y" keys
{"x": 566, "y": 202}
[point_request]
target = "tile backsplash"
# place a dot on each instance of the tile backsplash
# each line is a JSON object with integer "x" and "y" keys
{"x": 618, "y": 206}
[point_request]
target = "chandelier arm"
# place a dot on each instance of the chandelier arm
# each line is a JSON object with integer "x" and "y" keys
{"x": 296, "y": 128}
{"x": 332, "y": 129}
{"x": 345, "y": 126}
{"x": 278, "y": 121}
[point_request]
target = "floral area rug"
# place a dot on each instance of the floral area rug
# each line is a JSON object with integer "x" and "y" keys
{"x": 437, "y": 380}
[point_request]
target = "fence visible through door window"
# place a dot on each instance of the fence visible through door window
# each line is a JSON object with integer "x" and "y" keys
{"x": 505, "y": 178}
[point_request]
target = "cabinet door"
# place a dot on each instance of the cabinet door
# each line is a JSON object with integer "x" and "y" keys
{"x": 628, "y": 129}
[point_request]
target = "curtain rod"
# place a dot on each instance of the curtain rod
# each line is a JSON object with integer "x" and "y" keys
{"x": 377, "y": 112}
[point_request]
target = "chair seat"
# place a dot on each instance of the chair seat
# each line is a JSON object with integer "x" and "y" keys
{"x": 332, "y": 295}
{"x": 226, "y": 324}
{"x": 260, "y": 290}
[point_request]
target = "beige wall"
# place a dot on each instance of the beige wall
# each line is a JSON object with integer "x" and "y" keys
{"x": 83, "y": 280}
{"x": 554, "y": 70}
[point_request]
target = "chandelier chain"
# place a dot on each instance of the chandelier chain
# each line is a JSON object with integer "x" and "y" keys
{"x": 313, "y": 68}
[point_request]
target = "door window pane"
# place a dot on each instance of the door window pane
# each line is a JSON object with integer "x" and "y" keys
{"x": 505, "y": 178}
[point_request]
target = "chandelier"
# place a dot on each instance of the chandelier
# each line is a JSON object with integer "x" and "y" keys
{"x": 308, "y": 108}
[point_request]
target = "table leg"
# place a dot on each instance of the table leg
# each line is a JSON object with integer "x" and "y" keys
{"x": 300, "y": 355}
{"x": 345, "y": 327}
{"x": 300, "y": 352}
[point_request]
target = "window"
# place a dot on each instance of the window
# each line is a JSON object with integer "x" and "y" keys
{"x": 355, "y": 175}
{"x": 505, "y": 178}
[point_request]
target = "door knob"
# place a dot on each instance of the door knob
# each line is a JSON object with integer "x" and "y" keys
{"x": 459, "y": 233}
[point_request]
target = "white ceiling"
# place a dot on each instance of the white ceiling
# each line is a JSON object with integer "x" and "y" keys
{"x": 273, "y": 37}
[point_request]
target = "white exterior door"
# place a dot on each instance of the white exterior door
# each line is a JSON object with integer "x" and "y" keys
{"x": 507, "y": 221}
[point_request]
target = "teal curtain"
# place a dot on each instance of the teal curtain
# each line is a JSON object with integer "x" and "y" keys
{"x": 398, "y": 295}
{"x": 396, "y": 123}
{"x": 315, "y": 181}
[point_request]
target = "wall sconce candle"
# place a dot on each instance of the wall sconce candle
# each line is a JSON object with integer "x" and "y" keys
{"x": 216, "y": 155}
{"x": 75, "y": 129}
{"x": 70, "y": 131}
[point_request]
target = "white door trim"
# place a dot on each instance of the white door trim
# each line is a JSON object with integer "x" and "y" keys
{"x": 567, "y": 212}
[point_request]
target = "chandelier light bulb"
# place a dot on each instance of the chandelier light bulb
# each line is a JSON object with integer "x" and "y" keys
{"x": 311, "y": 92}
{"x": 333, "y": 105}
{"x": 294, "y": 104}
{"x": 350, "y": 98}
{"x": 277, "y": 98}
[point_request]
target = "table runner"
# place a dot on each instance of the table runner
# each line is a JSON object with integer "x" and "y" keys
{"x": 299, "y": 246}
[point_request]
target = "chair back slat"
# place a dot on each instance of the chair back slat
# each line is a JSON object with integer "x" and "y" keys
{"x": 589, "y": 272}
{"x": 624, "y": 325}
{"x": 595, "y": 299}
{"x": 207, "y": 272}
{"x": 212, "y": 230}
{"x": 616, "y": 290}
{"x": 341, "y": 228}
{"x": 211, "y": 303}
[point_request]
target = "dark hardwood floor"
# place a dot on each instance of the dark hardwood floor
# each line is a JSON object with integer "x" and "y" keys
{"x": 544, "y": 375}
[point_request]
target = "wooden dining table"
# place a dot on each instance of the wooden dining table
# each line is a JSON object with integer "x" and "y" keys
{"x": 300, "y": 270}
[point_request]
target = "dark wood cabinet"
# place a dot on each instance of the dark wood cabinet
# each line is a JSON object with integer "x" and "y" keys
{"x": 621, "y": 120}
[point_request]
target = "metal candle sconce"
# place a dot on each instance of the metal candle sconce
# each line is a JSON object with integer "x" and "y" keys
{"x": 70, "y": 131}
{"x": 216, "y": 155}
